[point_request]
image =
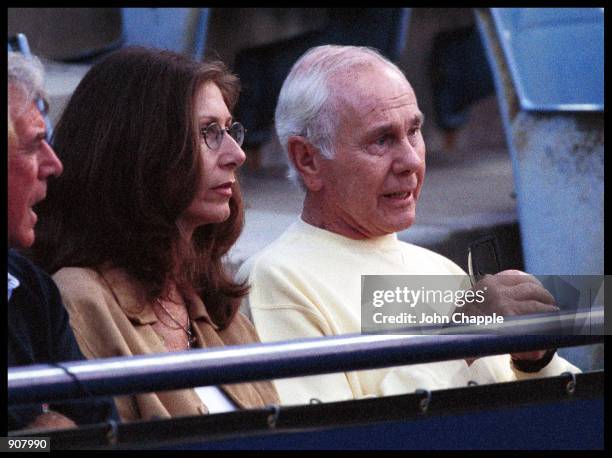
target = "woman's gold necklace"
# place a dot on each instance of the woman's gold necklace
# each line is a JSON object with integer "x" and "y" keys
{"x": 191, "y": 339}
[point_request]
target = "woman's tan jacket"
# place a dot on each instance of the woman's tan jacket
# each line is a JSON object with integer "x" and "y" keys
{"x": 111, "y": 316}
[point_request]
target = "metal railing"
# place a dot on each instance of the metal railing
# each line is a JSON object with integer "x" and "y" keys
{"x": 203, "y": 367}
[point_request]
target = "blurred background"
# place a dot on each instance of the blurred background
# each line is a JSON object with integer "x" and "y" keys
{"x": 513, "y": 101}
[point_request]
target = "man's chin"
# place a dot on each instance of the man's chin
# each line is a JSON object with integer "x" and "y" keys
{"x": 393, "y": 228}
{"x": 403, "y": 224}
{"x": 24, "y": 239}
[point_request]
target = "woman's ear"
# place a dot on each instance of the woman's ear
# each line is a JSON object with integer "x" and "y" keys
{"x": 307, "y": 160}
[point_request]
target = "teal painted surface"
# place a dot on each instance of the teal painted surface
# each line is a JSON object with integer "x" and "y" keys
{"x": 177, "y": 29}
{"x": 555, "y": 56}
{"x": 560, "y": 174}
{"x": 557, "y": 156}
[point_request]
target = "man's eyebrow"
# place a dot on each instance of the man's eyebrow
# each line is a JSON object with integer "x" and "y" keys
{"x": 418, "y": 119}
{"x": 39, "y": 136}
{"x": 381, "y": 128}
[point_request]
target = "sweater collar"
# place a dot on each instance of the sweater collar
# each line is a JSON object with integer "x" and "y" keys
{"x": 383, "y": 242}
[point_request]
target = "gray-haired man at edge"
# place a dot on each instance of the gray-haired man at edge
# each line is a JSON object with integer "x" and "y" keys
{"x": 38, "y": 329}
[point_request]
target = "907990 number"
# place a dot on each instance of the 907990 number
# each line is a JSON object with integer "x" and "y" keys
{"x": 26, "y": 444}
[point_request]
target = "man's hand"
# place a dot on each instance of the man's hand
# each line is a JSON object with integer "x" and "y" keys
{"x": 52, "y": 420}
{"x": 510, "y": 293}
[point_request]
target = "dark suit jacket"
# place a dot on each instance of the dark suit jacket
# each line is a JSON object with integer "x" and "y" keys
{"x": 38, "y": 332}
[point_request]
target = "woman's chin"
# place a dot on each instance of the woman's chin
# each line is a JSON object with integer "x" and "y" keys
{"x": 210, "y": 216}
{"x": 220, "y": 215}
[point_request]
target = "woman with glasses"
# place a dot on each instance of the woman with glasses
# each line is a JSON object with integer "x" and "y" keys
{"x": 136, "y": 227}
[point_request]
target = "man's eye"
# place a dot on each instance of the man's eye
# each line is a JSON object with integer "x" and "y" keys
{"x": 383, "y": 140}
{"x": 414, "y": 131}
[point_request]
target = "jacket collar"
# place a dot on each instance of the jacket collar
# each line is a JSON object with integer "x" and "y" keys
{"x": 132, "y": 298}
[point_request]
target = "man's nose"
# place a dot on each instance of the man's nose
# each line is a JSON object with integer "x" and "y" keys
{"x": 409, "y": 157}
{"x": 50, "y": 165}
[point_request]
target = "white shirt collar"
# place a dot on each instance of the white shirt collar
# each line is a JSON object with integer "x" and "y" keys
{"x": 12, "y": 284}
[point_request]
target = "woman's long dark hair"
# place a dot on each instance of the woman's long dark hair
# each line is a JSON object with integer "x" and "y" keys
{"x": 131, "y": 153}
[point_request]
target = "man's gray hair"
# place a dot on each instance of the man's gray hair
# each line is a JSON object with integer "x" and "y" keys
{"x": 306, "y": 103}
{"x": 27, "y": 75}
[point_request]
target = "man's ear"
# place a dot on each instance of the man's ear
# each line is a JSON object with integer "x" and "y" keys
{"x": 307, "y": 160}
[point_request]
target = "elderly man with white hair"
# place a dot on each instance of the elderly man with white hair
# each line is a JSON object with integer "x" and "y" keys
{"x": 351, "y": 126}
{"x": 38, "y": 329}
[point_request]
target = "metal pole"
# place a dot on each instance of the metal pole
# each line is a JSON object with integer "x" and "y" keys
{"x": 165, "y": 371}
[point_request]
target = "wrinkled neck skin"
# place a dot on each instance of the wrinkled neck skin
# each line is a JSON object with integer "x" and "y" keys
{"x": 317, "y": 212}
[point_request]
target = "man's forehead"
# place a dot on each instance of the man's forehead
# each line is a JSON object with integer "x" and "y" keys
{"x": 381, "y": 105}
{"x": 372, "y": 94}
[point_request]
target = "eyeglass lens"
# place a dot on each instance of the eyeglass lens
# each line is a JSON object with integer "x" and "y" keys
{"x": 213, "y": 134}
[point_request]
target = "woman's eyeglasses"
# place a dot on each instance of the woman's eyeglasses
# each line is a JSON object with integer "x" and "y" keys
{"x": 213, "y": 134}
